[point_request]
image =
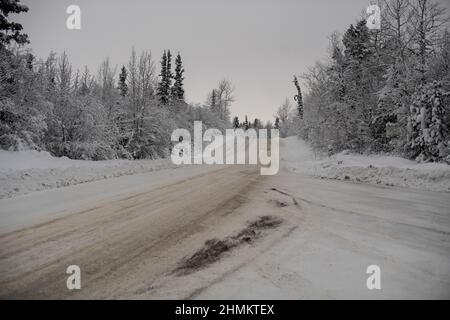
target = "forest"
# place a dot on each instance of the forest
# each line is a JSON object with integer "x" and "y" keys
{"x": 381, "y": 91}
{"x": 128, "y": 113}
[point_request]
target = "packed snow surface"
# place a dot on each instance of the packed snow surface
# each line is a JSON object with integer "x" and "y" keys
{"x": 22, "y": 172}
{"x": 376, "y": 169}
{"x": 327, "y": 232}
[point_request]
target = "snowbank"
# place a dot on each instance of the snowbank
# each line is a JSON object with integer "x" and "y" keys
{"x": 385, "y": 170}
{"x": 23, "y": 172}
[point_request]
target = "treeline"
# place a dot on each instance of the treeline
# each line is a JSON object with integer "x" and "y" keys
{"x": 384, "y": 90}
{"x": 255, "y": 124}
{"x": 129, "y": 113}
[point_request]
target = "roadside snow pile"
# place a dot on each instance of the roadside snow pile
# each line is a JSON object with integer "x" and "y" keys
{"x": 297, "y": 156}
{"x": 23, "y": 172}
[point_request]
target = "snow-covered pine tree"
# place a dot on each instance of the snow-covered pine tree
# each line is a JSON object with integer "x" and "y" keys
{"x": 298, "y": 98}
{"x": 427, "y": 129}
{"x": 236, "y": 124}
{"x": 122, "y": 86}
{"x": 169, "y": 74}
{"x": 246, "y": 125}
{"x": 177, "y": 88}
{"x": 163, "y": 90}
{"x": 438, "y": 130}
{"x": 213, "y": 101}
{"x": 277, "y": 123}
{"x": 362, "y": 78}
{"x": 11, "y": 31}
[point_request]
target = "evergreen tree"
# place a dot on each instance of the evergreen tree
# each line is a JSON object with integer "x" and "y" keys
{"x": 213, "y": 101}
{"x": 30, "y": 61}
{"x": 236, "y": 124}
{"x": 11, "y": 31}
{"x": 163, "y": 90}
{"x": 169, "y": 74}
{"x": 439, "y": 127}
{"x": 123, "y": 87}
{"x": 299, "y": 98}
{"x": 246, "y": 125}
{"x": 277, "y": 123}
{"x": 177, "y": 89}
{"x": 256, "y": 123}
{"x": 357, "y": 41}
{"x": 427, "y": 127}
{"x": 362, "y": 79}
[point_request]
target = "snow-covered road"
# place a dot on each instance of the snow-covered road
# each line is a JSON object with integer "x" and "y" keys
{"x": 226, "y": 232}
{"x": 344, "y": 228}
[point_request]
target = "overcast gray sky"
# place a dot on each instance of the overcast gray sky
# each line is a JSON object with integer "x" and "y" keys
{"x": 257, "y": 44}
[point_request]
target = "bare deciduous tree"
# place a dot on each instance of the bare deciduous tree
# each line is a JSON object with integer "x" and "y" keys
{"x": 397, "y": 15}
{"x": 427, "y": 21}
{"x": 224, "y": 96}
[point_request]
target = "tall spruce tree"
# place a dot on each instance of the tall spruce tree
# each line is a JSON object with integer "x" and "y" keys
{"x": 123, "y": 87}
{"x": 213, "y": 102}
{"x": 277, "y": 123}
{"x": 298, "y": 98}
{"x": 246, "y": 124}
{"x": 236, "y": 124}
{"x": 361, "y": 79}
{"x": 177, "y": 88}
{"x": 427, "y": 127}
{"x": 163, "y": 89}
{"x": 11, "y": 31}
{"x": 438, "y": 125}
{"x": 169, "y": 74}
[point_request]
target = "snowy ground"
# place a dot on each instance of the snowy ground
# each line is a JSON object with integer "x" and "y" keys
{"x": 382, "y": 170}
{"x": 28, "y": 171}
{"x": 130, "y": 235}
{"x": 23, "y": 172}
{"x": 332, "y": 232}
